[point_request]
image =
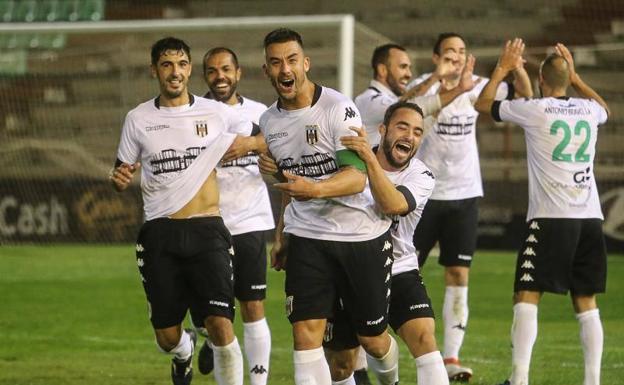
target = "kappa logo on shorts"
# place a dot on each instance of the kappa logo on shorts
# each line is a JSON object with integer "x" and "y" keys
{"x": 139, "y": 248}
{"x": 526, "y": 277}
{"x": 231, "y": 251}
{"x": 529, "y": 251}
{"x": 388, "y": 262}
{"x": 531, "y": 239}
{"x": 527, "y": 264}
{"x": 289, "y": 305}
{"x": 142, "y": 278}
{"x": 140, "y": 262}
{"x": 387, "y": 278}
{"x": 464, "y": 257}
{"x": 387, "y": 246}
{"x": 534, "y": 226}
{"x": 149, "y": 310}
{"x": 419, "y": 306}
{"x": 258, "y": 287}
{"x": 388, "y": 293}
{"x": 375, "y": 321}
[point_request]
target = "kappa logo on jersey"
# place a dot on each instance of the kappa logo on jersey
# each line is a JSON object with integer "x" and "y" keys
{"x": 312, "y": 134}
{"x": 387, "y": 246}
{"x": 527, "y": 265}
{"x": 258, "y": 369}
{"x": 529, "y": 251}
{"x": 428, "y": 173}
{"x": 526, "y": 277}
{"x": 531, "y": 239}
{"x": 534, "y": 226}
{"x": 201, "y": 128}
{"x": 349, "y": 113}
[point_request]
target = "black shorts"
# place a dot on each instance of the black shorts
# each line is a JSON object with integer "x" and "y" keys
{"x": 185, "y": 264}
{"x": 250, "y": 265}
{"x": 409, "y": 301}
{"x": 454, "y": 225}
{"x": 561, "y": 255}
{"x": 318, "y": 272}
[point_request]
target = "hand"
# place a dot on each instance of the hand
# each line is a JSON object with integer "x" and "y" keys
{"x": 298, "y": 187}
{"x": 564, "y": 52}
{"x": 358, "y": 143}
{"x": 122, "y": 175}
{"x": 278, "y": 253}
{"x": 511, "y": 57}
{"x": 448, "y": 66}
{"x": 465, "y": 82}
{"x": 241, "y": 146}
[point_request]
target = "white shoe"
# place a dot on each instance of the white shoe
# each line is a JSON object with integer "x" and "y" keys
{"x": 455, "y": 371}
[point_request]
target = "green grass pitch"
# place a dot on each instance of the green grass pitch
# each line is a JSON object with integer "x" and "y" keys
{"x": 76, "y": 315}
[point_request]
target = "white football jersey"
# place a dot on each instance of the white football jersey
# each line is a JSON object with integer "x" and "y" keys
{"x": 419, "y": 182}
{"x": 375, "y": 100}
{"x": 244, "y": 199}
{"x": 449, "y": 147}
{"x": 178, "y": 148}
{"x": 305, "y": 142}
{"x": 561, "y": 138}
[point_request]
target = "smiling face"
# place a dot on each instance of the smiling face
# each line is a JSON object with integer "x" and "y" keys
{"x": 286, "y": 67}
{"x": 402, "y": 136}
{"x": 172, "y": 70}
{"x": 398, "y": 71}
{"x": 222, "y": 76}
{"x": 452, "y": 54}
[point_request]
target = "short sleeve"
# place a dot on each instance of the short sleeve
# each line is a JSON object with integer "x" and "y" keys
{"x": 600, "y": 112}
{"x": 344, "y": 115}
{"x": 129, "y": 150}
{"x": 518, "y": 111}
{"x": 417, "y": 188}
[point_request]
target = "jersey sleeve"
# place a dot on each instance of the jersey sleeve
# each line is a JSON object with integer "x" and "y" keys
{"x": 417, "y": 189}
{"x": 373, "y": 105}
{"x": 504, "y": 91}
{"x": 343, "y": 115}
{"x": 236, "y": 123}
{"x": 518, "y": 111}
{"x": 600, "y": 112}
{"x": 129, "y": 150}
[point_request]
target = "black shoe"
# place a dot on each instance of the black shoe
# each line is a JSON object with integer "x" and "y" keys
{"x": 361, "y": 377}
{"x": 205, "y": 359}
{"x": 506, "y": 382}
{"x": 182, "y": 371}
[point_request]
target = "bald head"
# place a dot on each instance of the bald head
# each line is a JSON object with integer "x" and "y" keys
{"x": 556, "y": 72}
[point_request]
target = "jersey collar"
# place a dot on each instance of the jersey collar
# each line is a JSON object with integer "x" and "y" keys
{"x": 157, "y": 101}
{"x": 317, "y": 94}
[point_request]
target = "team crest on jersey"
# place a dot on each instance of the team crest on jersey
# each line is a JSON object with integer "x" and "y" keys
{"x": 312, "y": 134}
{"x": 201, "y": 128}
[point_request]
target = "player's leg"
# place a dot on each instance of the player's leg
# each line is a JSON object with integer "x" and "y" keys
{"x": 208, "y": 273}
{"x": 411, "y": 316}
{"x": 341, "y": 347}
{"x": 588, "y": 279}
{"x": 250, "y": 264}
{"x": 310, "y": 296}
{"x": 457, "y": 246}
{"x": 365, "y": 292}
{"x": 162, "y": 276}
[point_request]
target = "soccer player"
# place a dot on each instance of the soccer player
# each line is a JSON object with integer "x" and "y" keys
{"x": 401, "y": 186}
{"x": 246, "y": 210}
{"x": 336, "y": 244}
{"x": 183, "y": 249}
{"x": 391, "y": 74}
{"x": 564, "y": 248}
{"x": 451, "y": 215}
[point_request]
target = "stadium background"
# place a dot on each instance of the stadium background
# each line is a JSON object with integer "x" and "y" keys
{"x": 72, "y": 307}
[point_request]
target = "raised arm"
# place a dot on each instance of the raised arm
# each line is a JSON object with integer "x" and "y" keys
{"x": 582, "y": 88}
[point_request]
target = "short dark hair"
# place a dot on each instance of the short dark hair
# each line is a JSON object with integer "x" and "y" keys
{"x": 443, "y": 36}
{"x": 381, "y": 54}
{"x": 169, "y": 43}
{"x": 394, "y": 107}
{"x": 216, "y": 50}
{"x": 282, "y": 35}
{"x": 555, "y": 71}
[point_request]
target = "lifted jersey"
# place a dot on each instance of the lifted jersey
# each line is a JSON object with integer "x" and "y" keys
{"x": 374, "y": 102}
{"x": 419, "y": 182}
{"x": 178, "y": 148}
{"x": 449, "y": 147}
{"x": 305, "y": 142}
{"x": 244, "y": 199}
{"x": 561, "y": 138}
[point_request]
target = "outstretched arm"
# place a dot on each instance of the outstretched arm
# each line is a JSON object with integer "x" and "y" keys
{"x": 582, "y": 88}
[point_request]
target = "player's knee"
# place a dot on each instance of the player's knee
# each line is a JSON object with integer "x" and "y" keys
{"x": 341, "y": 364}
{"x": 220, "y": 330}
{"x": 167, "y": 340}
{"x": 375, "y": 346}
{"x": 252, "y": 311}
{"x": 456, "y": 275}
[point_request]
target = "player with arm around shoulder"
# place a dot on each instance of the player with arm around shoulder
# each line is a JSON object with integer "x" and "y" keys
{"x": 564, "y": 248}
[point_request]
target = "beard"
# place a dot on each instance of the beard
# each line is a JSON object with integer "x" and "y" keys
{"x": 220, "y": 96}
{"x": 387, "y": 149}
{"x": 395, "y": 87}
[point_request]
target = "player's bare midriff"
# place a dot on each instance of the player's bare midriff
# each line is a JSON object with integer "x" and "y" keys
{"x": 204, "y": 204}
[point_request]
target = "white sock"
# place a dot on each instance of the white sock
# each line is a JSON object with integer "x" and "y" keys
{"x": 257, "y": 338}
{"x": 311, "y": 367}
{"x": 430, "y": 369}
{"x": 591, "y": 340}
{"x": 361, "y": 360}
{"x": 386, "y": 368}
{"x": 523, "y": 336}
{"x": 228, "y": 364}
{"x": 347, "y": 381}
{"x": 455, "y": 316}
{"x": 184, "y": 348}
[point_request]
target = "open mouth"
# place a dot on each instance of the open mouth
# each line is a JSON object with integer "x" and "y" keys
{"x": 287, "y": 83}
{"x": 403, "y": 148}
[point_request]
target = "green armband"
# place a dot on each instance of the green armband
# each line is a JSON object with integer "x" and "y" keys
{"x": 350, "y": 158}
